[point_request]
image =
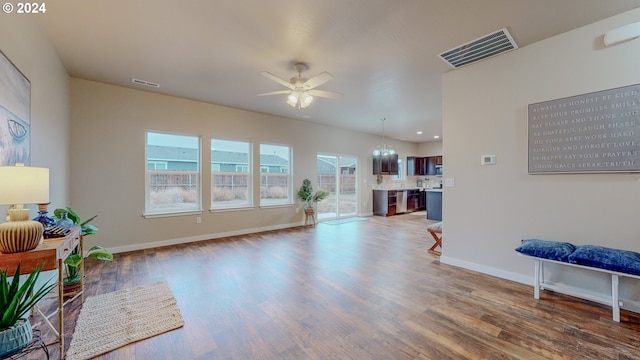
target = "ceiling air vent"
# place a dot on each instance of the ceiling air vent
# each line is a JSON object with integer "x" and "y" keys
{"x": 145, "y": 83}
{"x": 482, "y": 48}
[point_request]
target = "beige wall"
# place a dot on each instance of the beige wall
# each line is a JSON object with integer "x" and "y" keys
{"x": 108, "y": 162}
{"x": 23, "y": 42}
{"x": 491, "y": 208}
{"x": 430, "y": 148}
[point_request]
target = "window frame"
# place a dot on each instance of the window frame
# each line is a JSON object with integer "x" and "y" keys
{"x": 221, "y": 206}
{"x": 166, "y": 212}
{"x": 402, "y": 173}
{"x": 289, "y": 200}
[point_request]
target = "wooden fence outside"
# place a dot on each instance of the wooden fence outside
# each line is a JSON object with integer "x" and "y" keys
{"x": 327, "y": 182}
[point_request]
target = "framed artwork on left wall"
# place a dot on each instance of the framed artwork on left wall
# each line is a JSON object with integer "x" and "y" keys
{"x": 15, "y": 114}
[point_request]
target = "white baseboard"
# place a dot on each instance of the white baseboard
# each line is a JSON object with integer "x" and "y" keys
{"x": 523, "y": 279}
{"x": 189, "y": 239}
{"x": 627, "y": 304}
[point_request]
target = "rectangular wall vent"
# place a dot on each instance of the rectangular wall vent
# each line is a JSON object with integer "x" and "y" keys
{"x": 482, "y": 48}
{"x": 145, "y": 83}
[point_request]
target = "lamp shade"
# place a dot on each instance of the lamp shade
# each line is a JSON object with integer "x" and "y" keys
{"x": 24, "y": 185}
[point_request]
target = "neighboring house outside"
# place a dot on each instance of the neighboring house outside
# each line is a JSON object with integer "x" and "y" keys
{"x": 186, "y": 159}
{"x": 177, "y": 167}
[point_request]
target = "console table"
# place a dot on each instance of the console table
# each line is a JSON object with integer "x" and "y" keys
{"x": 50, "y": 254}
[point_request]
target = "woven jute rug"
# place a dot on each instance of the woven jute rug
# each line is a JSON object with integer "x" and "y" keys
{"x": 112, "y": 320}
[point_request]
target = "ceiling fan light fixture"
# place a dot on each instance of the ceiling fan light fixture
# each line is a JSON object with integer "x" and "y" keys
{"x": 306, "y": 99}
{"x": 302, "y": 90}
{"x": 299, "y": 99}
{"x": 292, "y": 99}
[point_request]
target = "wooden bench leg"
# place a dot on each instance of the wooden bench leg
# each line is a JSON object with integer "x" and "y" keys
{"x": 437, "y": 237}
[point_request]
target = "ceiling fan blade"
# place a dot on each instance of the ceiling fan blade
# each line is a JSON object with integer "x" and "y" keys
{"x": 279, "y": 92}
{"x": 325, "y": 93}
{"x": 317, "y": 80}
{"x": 278, "y": 80}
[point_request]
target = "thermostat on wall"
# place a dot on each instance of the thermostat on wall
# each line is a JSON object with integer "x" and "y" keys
{"x": 488, "y": 160}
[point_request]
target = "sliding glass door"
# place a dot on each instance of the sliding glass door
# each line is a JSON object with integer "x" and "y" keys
{"x": 337, "y": 175}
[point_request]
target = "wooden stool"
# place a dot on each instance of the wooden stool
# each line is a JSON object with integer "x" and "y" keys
{"x": 436, "y": 232}
{"x": 310, "y": 217}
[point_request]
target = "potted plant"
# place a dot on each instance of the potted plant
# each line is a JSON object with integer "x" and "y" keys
{"x": 310, "y": 198}
{"x": 15, "y": 301}
{"x": 72, "y": 262}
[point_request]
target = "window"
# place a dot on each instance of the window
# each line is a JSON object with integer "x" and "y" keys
{"x": 231, "y": 180}
{"x": 172, "y": 178}
{"x": 401, "y": 173}
{"x": 275, "y": 175}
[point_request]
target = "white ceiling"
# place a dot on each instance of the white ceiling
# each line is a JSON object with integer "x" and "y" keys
{"x": 383, "y": 54}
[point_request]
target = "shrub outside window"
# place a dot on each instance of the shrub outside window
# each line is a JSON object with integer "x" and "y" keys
{"x": 275, "y": 175}
{"x": 231, "y": 180}
{"x": 173, "y": 186}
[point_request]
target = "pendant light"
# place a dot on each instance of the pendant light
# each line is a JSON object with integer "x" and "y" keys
{"x": 383, "y": 149}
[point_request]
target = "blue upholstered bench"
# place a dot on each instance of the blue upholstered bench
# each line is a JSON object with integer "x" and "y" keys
{"x": 618, "y": 263}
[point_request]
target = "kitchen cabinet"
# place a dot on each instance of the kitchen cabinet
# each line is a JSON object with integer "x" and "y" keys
{"x": 416, "y": 165}
{"x": 385, "y": 164}
{"x": 422, "y": 205}
{"x": 434, "y": 164}
{"x": 415, "y": 200}
{"x": 384, "y": 202}
{"x": 434, "y": 205}
{"x": 392, "y": 202}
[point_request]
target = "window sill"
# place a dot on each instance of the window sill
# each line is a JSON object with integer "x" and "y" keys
{"x": 172, "y": 214}
{"x": 269, "y": 206}
{"x": 231, "y": 209}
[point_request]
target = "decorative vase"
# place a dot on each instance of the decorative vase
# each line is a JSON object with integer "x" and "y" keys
{"x": 43, "y": 216}
{"x": 15, "y": 338}
{"x": 64, "y": 222}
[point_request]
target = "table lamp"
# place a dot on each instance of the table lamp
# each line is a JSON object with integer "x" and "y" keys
{"x": 21, "y": 185}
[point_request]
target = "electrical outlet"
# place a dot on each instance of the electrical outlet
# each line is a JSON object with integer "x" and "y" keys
{"x": 297, "y": 210}
{"x": 198, "y": 219}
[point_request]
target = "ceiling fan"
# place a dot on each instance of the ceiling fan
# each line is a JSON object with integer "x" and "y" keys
{"x": 301, "y": 90}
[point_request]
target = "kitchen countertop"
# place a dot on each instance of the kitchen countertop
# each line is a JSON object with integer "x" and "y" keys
{"x": 410, "y": 188}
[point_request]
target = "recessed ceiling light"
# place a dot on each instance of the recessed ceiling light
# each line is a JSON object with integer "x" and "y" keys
{"x": 436, "y": 136}
{"x": 419, "y": 132}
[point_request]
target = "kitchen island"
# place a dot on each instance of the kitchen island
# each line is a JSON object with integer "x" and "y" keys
{"x": 434, "y": 204}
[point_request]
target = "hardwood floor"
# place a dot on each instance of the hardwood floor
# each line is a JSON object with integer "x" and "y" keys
{"x": 358, "y": 290}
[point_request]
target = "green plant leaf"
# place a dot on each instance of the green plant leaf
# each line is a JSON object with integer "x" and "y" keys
{"x": 89, "y": 229}
{"x": 88, "y": 221}
{"x": 18, "y": 300}
{"x": 100, "y": 253}
{"x": 73, "y": 260}
{"x": 71, "y": 279}
{"x": 57, "y": 213}
{"x": 73, "y": 216}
